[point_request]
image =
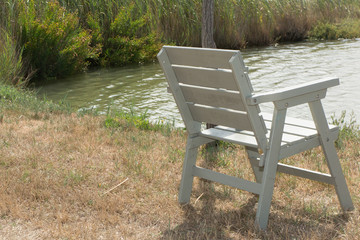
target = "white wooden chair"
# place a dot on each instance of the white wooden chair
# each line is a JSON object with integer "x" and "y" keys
{"x": 213, "y": 86}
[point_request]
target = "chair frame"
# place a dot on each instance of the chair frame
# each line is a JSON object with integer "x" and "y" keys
{"x": 184, "y": 65}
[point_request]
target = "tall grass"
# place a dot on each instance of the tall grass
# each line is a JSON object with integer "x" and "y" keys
{"x": 125, "y": 119}
{"x": 24, "y": 102}
{"x": 111, "y": 32}
{"x": 348, "y": 129}
{"x": 248, "y": 23}
{"x": 11, "y": 64}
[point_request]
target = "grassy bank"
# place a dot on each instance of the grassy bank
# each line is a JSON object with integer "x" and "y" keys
{"x": 70, "y": 176}
{"x": 59, "y": 37}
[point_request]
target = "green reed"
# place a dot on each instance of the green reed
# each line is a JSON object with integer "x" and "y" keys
{"x": 11, "y": 64}
{"x": 93, "y": 27}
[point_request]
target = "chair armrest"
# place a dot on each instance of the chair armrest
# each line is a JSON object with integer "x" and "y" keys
{"x": 313, "y": 87}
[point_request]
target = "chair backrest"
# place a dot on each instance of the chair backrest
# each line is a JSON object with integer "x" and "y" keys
{"x": 211, "y": 85}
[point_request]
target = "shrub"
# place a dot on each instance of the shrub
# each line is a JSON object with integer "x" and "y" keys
{"x": 347, "y": 28}
{"x": 130, "y": 40}
{"x": 61, "y": 37}
{"x": 324, "y": 31}
{"x": 54, "y": 43}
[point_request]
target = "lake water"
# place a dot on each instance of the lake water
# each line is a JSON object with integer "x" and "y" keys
{"x": 144, "y": 87}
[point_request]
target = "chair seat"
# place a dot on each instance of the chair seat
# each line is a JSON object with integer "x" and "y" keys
{"x": 298, "y": 136}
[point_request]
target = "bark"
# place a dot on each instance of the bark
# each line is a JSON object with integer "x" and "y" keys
{"x": 207, "y": 29}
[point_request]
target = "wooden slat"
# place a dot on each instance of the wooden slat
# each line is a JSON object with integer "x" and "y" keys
{"x": 218, "y": 116}
{"x": 305, "y": 173}
{"x": 191, "y": 125}
{"x": 298, "y": 147}
{"x": 303, "y": 145}
{"x": 292, "y": 121}
{"x": 287, "y": 138}
{"x": 247, "y": 138}
{"x": 294, "y": 130}
{"x": 294, "y": 91}
{"x": 206, "y": 77}
{"x": 298, "y": 122}
{"x": 213, "y": 97}
{"x": 200, "y": 57}
{"x": 229, "y": 129}
{"x": 298, "y": 100}
{"x": 227, "y": 180}
{"x": 233, "y": 137}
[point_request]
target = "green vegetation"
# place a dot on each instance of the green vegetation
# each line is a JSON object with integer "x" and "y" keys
{"x": 348, "y": 129}
{"x": 60, "y": 37}
{"x": 124, "y": 119}
{"x": 54, "y": 42}
{"x": 124, "y": 44}
{"x": 24, "y": 101}
{"x": 11, "y": 63}
{"x": 347, "y": 28}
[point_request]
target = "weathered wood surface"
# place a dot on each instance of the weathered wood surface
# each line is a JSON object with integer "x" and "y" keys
{"x": 212, "y": 86}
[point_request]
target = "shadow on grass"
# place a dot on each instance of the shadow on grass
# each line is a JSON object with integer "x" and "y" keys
{"x": 206, "y": 220}
{"x": 211, "y": 223}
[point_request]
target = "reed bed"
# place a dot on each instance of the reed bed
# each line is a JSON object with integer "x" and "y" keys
{"x": 236, "y": 22}
{"x": 114, "y": 33}
{"x": 10, "y": 60}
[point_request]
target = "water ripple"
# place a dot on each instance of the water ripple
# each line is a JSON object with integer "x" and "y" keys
{"x": 271, "y": 68}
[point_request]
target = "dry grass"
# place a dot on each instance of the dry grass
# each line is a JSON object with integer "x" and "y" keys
{"x": 56, "y": 171}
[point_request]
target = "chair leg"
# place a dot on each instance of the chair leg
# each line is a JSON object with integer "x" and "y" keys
{"x": 341, "y": 187}
{"x": 271, "y": 161}
{"x": 253, "y": 156}
{"x": 187, "y": 176}
{"x": 331, "y": 156}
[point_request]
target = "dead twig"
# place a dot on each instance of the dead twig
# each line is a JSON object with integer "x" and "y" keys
{"x": 114, "y": 187}
{"x": 198, "y": 198}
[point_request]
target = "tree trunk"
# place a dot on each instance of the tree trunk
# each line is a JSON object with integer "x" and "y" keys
{"x": 207, "y": 30}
